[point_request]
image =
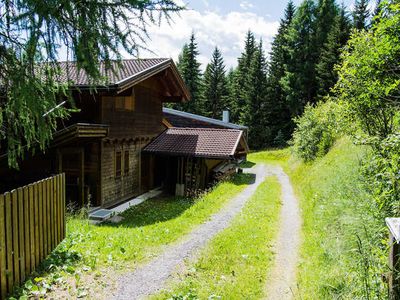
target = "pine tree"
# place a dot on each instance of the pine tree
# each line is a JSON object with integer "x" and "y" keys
{"x": 326, "y": 13}
{"x": 361, "y": 14}
{"x": 255, "y": 109}
{"x": 189, "y": 68}
{"x": 232, "y": 89}
{"x": 299, "y": 82}
{"x": 215, "y": 90}
{"x": 330, "y": 54}
{"x": 241, "y": 81}
{"x": 279, "y": 120}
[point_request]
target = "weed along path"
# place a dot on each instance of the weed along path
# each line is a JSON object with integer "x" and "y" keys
{"x": 282, "y": 279}
{"x": 152, "y": 276}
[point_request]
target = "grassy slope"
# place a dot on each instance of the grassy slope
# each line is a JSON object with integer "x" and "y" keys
{"x": 336, "y": 210}
{"x": 142, "y": 233}
{"x": 235, "y": 264}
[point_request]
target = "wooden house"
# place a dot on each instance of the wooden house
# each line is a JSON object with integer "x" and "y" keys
{"x": 108, "y": 149}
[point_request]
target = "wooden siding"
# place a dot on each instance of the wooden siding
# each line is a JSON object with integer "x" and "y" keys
{"x": 144, "y": 120}
{"x": 32, "y": 224}
{"x": 117, "y": 188}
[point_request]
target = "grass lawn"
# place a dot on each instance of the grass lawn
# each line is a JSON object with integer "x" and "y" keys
{"x": 90, "y": 249}
{"x": 343, "y": 252}
{"x": 235, "y": 264}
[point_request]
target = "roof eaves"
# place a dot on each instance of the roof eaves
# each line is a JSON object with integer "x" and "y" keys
{"x": 200, "y": 155}
{"x": 236, "y": 143}
{"x": 144, "y": 74}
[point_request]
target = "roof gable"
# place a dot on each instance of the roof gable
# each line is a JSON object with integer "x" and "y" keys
{"x": 126, "y": 74}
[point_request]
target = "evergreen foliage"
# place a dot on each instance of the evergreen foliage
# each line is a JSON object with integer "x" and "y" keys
{"x": 325, "y": 14}
{"x": 361, "y": 14}
{"x": 255, "y": 112}
{"x": 242, "y": 80}
{"x": 330, "y": 53}
{"x": 233, "y": 88}
{"x": 279, "y": 120}
{"x": 31, "y": 33}
{"x": 215, "y": 89}
{"x": 299, "y": 82}
{"x": 189, "y": 68}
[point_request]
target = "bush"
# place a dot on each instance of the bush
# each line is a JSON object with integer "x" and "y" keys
{"x": 382, "y": 172}
{"x": 317, "y": 129}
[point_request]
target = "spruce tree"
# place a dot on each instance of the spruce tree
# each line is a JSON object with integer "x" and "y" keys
{"x": 299, "y": 82}
{"x": 189, "y": 68}
{"x": 240, "y": 91}
{"x": 361, "y": 14}
{"x": 255, "y": 112}
{"x": 326, "y": 13}
{"x": 279, "y": 119}
{"x": 215, "y": 90}
{"x": 330, "y": 54}
{"x": 233, "y": 88}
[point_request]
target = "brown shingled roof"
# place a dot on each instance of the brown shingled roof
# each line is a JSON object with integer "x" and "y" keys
{"x": 196, "y": 142}
{"x": 128, "y": 68}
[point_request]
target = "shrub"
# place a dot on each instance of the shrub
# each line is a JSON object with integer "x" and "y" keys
{"x": 317, "y": 130}
{"x": 382, "y": 174}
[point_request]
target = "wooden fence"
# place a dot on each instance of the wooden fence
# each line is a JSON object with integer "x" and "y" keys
{"x": 32, "y": 224}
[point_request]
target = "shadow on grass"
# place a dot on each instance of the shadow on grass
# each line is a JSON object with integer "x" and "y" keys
{"x": 247, "y": 164}
{"x": 38, "y": 283}
{"x": 166, "y": 208}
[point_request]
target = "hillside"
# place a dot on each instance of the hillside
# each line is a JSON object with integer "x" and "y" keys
{"x": 342, "y": 255}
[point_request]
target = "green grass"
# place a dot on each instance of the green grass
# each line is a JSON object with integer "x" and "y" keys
{"x": 343, "y": 253}
{"x": 272, "y": 157}
{"x": 235, "y": 264}
{"x": 146, "y": 228}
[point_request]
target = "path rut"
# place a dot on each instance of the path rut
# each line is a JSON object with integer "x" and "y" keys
{"x": 151, "y": 277}
{"x": 281, "y": 282}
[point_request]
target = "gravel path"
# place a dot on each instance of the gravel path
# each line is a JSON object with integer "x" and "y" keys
{"x": 151, "y": 277}
{"x": 282, "y": 280}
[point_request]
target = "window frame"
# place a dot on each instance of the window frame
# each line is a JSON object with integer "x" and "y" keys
{"x": 118, "y": 172}
{"x": 126, "y": 162}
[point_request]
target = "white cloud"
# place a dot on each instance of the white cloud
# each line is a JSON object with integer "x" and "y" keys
{"x": 246, "y": 5}
{"x": 211, "y": 29}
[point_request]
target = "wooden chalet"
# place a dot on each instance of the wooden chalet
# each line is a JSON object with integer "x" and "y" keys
{"x": 116, "y": 146}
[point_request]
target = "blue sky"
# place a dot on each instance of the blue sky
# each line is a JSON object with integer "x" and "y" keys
{"x": 221, "y": 23}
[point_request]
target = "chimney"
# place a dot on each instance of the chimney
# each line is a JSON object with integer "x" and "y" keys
{"x": 225, "y": 116}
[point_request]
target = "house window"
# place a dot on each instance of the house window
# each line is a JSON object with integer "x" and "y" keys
{"x": 126, "y": 162}
{"x": 118, "y": 164}
{"x": 125, "y": 103}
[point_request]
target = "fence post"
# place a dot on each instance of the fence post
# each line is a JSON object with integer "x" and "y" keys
{"x": 394, "y": 252}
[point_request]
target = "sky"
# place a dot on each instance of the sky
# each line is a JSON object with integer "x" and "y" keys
{"x": 221, "y": 23}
